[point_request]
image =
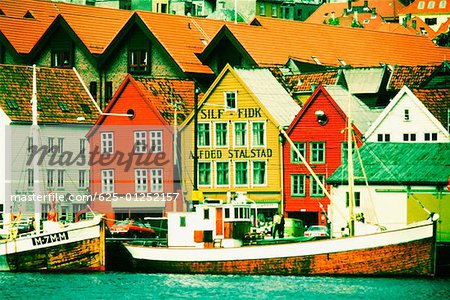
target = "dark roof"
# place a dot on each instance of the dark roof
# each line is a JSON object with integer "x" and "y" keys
{"x": 412, "y": 77}
{"x": 60, "y": 94}
{"x": 437, "y": 101}
{"x": 385, "y": 163}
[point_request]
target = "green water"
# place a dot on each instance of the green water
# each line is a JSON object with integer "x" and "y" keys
{"x": 112, "y": 285}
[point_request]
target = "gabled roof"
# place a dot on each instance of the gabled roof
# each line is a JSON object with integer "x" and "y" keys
{"x": 417, "y": 103}
{"x": 424, "y": 7}
{"x": 60, "y": 95}
{"x": 270, "y": 93}
{"x": 339, "y": 97}
{"x": 364, "y": 80}
{"x": 412, "y": 77}
{"x": 437, "y": 101}
{"x": 385, "y": 164}
{"x": 275, "y": 41}
{"x": 264, "y": 89}
{"x": 444, "y": 28}
{"x": 183, "y": 37}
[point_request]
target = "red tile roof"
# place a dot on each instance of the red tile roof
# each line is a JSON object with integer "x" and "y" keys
{"x": 275, "y": 41}
{"x": 437, "y": 101}
{"x": 183, "y": 37}
{"x": 303, "y": 82}
{"x": 55, "y": 87}
{"x": 423, "y": 7}
{"x": 412, "y": 77}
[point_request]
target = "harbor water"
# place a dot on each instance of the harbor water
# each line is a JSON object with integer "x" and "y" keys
{"x": 117, "y": 285}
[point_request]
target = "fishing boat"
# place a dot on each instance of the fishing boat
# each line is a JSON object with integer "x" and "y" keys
{"x": 76, "y": 246}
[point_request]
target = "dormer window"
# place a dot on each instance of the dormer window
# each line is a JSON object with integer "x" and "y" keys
{"x": 63, "y": 106}
{"x": 406, "y": 115}
{"x": 431, "y": 4}
{"x": 2, "y": 13}
{"x": 28, "y": 15}
{"x": 138, "y": 61}
{"x": 12, "y": 104}
{"x": 230, "y": 100}
{"x": 62, "y": 58}
{"x": 421, "y": 5}
{"x": 442, "y": 4}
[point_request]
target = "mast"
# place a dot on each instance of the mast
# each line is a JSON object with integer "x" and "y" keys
{"x": 351, "y": 179}
{"x": 195, "y": 193}
{"x": 35, "y": 137}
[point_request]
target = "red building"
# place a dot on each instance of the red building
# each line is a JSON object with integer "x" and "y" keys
{"x": 133, "y": 172}
{"x": 319, "y": 133}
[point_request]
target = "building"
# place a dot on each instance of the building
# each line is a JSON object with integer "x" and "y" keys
{"x": 319, "y": 134}
{"x": 397, "y": 187}
{"x": 407, "y": 119}
{"x": 65, "y": 115}
{"x": 433, "y": 12}
{"x": 134, "y": 142}
{"x": 239, "y": 145}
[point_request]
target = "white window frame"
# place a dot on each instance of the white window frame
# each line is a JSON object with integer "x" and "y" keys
{"x": 264, "y": 133}
{"x": 141, "y": 180}
{"x": 421, "y": 5}
{"x": 253, "y": 173}
{"x": 83, "y": 175}
{"x": 107, "y": 142}
{"x": 157, "y": 180}
{"x": 60, "y": 179}
{"x": 50, "y": 178}
{"x": 431, "y": 4}
{"x": 235, "y": 173}
{"x": 107, "y": 180}
{"x": 51, "y": 144}
{"x": 60, "y": 145}
{"x": 140, "y": 141}
{"x": 156, "y": 141}
{"x": 216, "y": 132}
{"x": 225, "y": 97}
{"x": 210, "y": 173}
{"x": 82, "y": 146}
{"x": 235, "y": 144}
{"x": 217, "y": 173}
{"x": 30, "y": 175}
{"x": 442, "y": 4}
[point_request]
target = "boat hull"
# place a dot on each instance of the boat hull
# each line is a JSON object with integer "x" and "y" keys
{"x": 368, "y": 255}
{"x": 81, "y": 248}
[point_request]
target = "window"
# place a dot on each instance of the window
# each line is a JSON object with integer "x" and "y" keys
{"x": 430, "y": 136}
{"x": 230, "y": 100}
{"x": 206, "y": 214}
{"x": 140, "y": 141}
{"x": 297, "y": 185}
{"x": 138, "y": 61}
{"x": 50, "y": 178}
{"x": 12, "y": 104}
{"x": 182, "y": 221}
{"x": 317, "y": 152}
{"x": 82, "y": 147}
{"x": 157, "y": 180}
{"x": 274, "y": 10}
{"x": 82, "y": 179}
{"x": 301, "y": 148}
{"x": 85, "y": 108}
{"x": 107, "y": 181}
{"x": 409, "y": 137}
{"x": 63, "y": 106}
{"x": 61, "y": 59}
{"x": 262, "y": 9}
{"x": 421, "y": 5}
{"x": 259, "y": 172}
{"x": 107, "y": 142}
{"x": 30, "y": 173}
{"x": 406, "y": 115}
{"x": 384, "y": 137}
{"x": 140, "y": 176}
{"x": 344, "y": 154}
{"x": 357, "y": 199}
{"x": 221, "y": 134}
{"x": 51, "y": 144}
{"x": 431, "y": 21}
{"x": 156, "y": 141}
{"x": 241, "y": 173}
{"x": 204, "y": 173}
{"x": 431, "y": 4}
{"x": 240, "y": 134}
{"x": 60, "y": 145}
{"x": 124, "y": 4}
{"x": 30, "y": 145}
{"x": 227, "y": 212}
{"x": 60, "y": 182}
{"x": 258, "y": 132}
{"x": 222, "y": 173}
{"x": 442, "y": 4}
{"x": 316, "y": 190}
{"x": 203, "y": 134}
{"x": 93, "y": 89}
{"x": 108, "y": 91}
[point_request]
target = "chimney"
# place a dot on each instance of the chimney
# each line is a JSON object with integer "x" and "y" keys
{"x": 332, "y": 15}
{"x": 349, "y": 5}
{"x": 345, "y": 12}
{"x": 414, "y": 24}
{"x": 374, "y": 12}
{"x": 366, "y": 3}
{"x": 408, "y": 16}
{"x": 355, "y": 16}
{"x": 405, "y": 22}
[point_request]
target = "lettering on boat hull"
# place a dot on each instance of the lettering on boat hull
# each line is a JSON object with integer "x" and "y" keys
{"x": 50, "y": 238}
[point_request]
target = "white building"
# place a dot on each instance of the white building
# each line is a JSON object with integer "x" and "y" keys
{"x": 65, "y": 114}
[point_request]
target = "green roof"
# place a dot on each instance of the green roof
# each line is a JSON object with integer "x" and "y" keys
{"x": 399, "y": 164}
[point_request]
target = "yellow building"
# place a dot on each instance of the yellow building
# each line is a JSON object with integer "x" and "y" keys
{"x": 239, "y": 145}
